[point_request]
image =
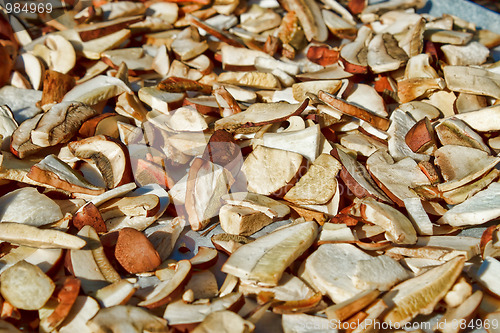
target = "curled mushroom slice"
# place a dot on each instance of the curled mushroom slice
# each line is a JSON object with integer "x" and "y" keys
{"x": 169, "y": 289}
{"x": 355, "y": 110}
{"x": 109, "y": 155}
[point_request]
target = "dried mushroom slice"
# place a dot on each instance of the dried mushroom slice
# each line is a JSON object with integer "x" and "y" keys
{"x": 220, "y": 321}
{"x": 238, "y": 111}
{"x": 27, "y": 235}
{"x": 109, "y": 155}
{"x": 126, "y": 318}
{"x": 304, "y": 141}
{"x": 310, "y": 18}
{"x": 398, "y": 228}
{"x": 396, "y": 178}
{"x": 419, "y": 295}
{"x": 185, "y": 316}
{"x": 267, "y": 257}
{"x": 260, "y": 114}
{"x": 54, "y": 172}
{"x": 27, "y": 206}
{"x": 478, "y": 209}
{"x": 472, "y": 163}
{"x": 244, "y": 221}
{"x": 357, "y": 178}
{"x": 25, "y": 286}
{"x": 319, "y": 183}
{"x": 360, "y": 271}
{"x": 472, "y": 80}
{"x": 169, "y": 289}
{"x": 206, "y": 183}
{"x": 272, "y": 171}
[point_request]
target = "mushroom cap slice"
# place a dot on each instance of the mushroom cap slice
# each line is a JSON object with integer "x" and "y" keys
{"x": 54, "y": 172}
{"x": 260, "y": 114}
{"x": 98, "y": 89}
{"x": 110, "y": 156}
{"x": 62, "y": 54}
{"x": 60, "y": 123}
{"x": 169, "y": 289}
